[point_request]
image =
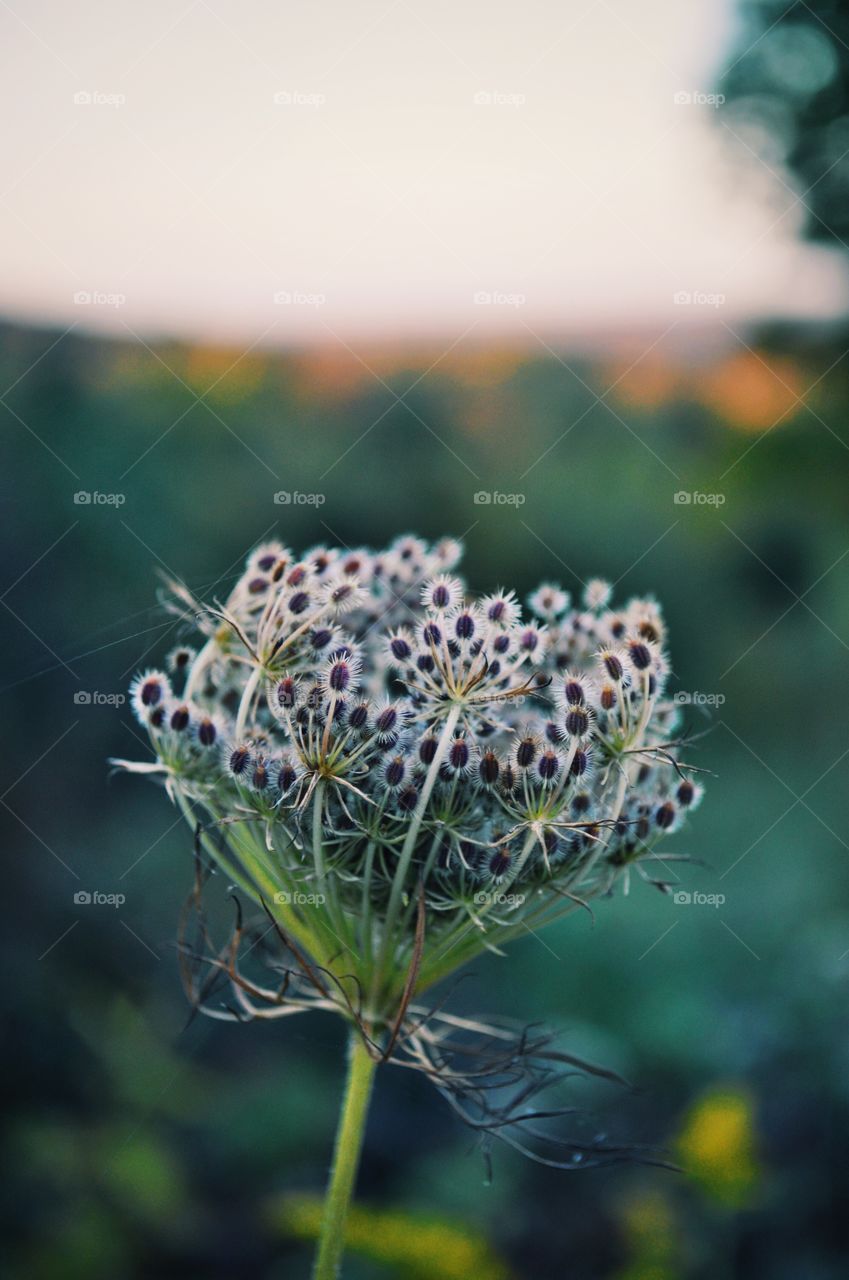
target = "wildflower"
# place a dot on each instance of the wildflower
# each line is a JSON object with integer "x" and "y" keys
{"x": 433, "y": 767}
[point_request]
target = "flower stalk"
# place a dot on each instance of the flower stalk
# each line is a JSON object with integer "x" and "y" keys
{"x": 346, "y": 1158}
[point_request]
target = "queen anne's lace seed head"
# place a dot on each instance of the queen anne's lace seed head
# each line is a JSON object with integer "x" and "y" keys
{"x": 363, "y": 727}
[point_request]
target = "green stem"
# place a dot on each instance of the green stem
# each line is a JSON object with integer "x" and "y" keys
{"x": 346, "y": 1156}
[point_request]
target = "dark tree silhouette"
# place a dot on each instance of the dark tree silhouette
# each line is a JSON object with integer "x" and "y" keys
{"x": 787, "y": 98}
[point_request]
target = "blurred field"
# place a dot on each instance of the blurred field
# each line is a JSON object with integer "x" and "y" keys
{"x": 140, "y": 1146}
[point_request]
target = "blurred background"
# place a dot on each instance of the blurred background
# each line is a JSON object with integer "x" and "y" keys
{"x": 569, "y": 282}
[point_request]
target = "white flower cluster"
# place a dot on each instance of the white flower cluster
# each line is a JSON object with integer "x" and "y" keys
{"x": 359, "y": 731}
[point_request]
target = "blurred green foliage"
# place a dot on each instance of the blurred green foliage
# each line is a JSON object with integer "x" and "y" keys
{"x": 145, "y": 1144}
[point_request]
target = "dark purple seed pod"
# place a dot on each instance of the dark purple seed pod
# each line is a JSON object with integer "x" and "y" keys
{"x": 339, "y": 676}
{"x": 156, "y": 719}
{"x": 287, "y": 777}
{"x": 548, "y": 766}
{"x": 358, "y": 718}
{"x": 642, "y": 830}
{"x": 496, "y": 610}
{"x": 394, "y": 771}
{"x": 321, "y": 638}
{"x": 408, "y": 799}
{"x": 464, "y": 626}
{"x": 425, "y": 662}
{"x": 180, "y": 719}
{"x": 286, "y": 692}
{"x": 151, "y": 692}
{"x": 489, "y": 768}
{"x": 581, "y": 803}
{"x": 525, "y": 753}
{"x": 207, "y": 732}
{"x": 256, "y": 586}
{"x": 266, "y": 562}
{"x": 432, "y": 634}
{"x": 297, "y": 576}
{"x": 577, "y": 721}
{"x": 501, "y": 643}
{"x": 580, "y": 763}
{"x": 299, "y": 602}
{"x": 574, "y": 693}
{"x": 239, "y": 761}
{"x": 386, "y": 720}
{"x": 613, "y": 666}
{"x": 260, "y": 775}
{"x": 686, "y": 793}
{"x": 499, "y": 862}
{"x": 529, "y": 640}
{"x": 458, "y": 754}
{"x": 640, "y": 655}
{"x": 665, "y": 815}
{"x": 440, "y": 596}
{"x": 400, "y": 648}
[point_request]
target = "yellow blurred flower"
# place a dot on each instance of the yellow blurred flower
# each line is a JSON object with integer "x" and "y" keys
{"x": 716, "y": 1146}
{"x": 416, "y": 1248}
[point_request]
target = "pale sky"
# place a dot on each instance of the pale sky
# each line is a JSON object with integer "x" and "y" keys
{"x": 278, "y": 171}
